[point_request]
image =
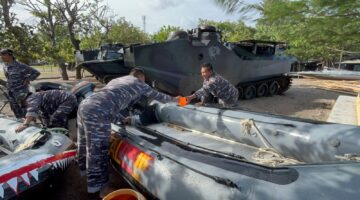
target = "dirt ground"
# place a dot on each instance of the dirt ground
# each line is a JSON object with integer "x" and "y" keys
{"x": 301, "y": 100}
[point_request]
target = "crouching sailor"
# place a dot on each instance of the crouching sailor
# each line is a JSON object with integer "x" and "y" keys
{"x": 52, "y": 106}
{"x": 95, "y": 115}
{"x": 215, "y": 86}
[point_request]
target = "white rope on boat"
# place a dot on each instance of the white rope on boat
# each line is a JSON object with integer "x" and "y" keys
{"x": 268, "y": 155}
{"x": 248, "y": 124}
{"x": 349, "y": 157}
{"x": 272, "y": 158}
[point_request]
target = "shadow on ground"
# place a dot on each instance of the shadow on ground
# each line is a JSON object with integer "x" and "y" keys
{"x": 70, "y": 186}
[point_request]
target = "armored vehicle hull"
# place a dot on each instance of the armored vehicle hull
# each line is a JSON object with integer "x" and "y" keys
{"x": 173, "y": 67}
{"x": 208, "y": 153}
{"x": 254, "y": 67}
{"x": 107, "y": 64}
{"x": 113, "y": 68}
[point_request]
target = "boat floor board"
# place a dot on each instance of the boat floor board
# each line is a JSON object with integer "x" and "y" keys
{"x": 344, "y": 111}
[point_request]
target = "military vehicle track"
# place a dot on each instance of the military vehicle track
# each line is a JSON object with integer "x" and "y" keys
{"x": 267, "y": 87}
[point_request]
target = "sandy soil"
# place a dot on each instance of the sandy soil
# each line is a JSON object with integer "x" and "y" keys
{"x": 299, "y": 101}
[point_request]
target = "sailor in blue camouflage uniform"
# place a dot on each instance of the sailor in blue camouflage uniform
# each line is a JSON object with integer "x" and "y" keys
{"x": 96, "y": 113}
{"x": 216, "y": 86}
{"x": 18, "y": 77}
{"x": 53, "y": 107}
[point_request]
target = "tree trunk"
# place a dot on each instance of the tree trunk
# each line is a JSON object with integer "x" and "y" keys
{"x": 62, "y": 68}
{"x": 78, "y": 73}
{"x": 76, "y": 45}
{"x": 8, "y": 22}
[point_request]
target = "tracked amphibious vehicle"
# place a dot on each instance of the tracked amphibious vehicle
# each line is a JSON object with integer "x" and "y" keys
{"x": 108, "y": 64}
{"x": 253, "y": 66}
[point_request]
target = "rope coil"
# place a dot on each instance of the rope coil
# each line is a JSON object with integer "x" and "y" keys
{"x": 267, "y": 155}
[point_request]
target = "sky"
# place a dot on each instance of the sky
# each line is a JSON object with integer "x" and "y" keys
{"x": 182, "y": 13}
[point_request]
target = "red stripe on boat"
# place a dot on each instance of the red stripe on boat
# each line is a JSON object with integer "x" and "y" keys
{"x": 36, "y": 165}
{"x": 131, "y": 152}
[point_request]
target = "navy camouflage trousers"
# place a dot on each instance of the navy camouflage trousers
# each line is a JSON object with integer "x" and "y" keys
{"x": 14, "y": 100}
{"x": 94, "y": 129}
{"x": 61, "y": 115}
{"x": 210, "y": 100}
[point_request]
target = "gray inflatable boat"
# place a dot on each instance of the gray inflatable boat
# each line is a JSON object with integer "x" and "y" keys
{"x": 208, "y": 153}
{"x": 31, "y": 157}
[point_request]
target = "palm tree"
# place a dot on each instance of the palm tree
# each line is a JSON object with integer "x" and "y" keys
{"x": 241, "y": 6}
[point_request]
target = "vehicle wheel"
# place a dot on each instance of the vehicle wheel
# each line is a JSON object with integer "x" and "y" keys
{"x": 250, "y": 92}
{"x": 284, "y": 84}
{"x": 262, "y": 90}
{"x": 241, "y": 92}
{"x": 274, "y": 88}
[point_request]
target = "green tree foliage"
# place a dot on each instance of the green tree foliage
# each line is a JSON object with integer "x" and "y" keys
{"x": 23, "y": 38}
{"x": 93, "y": 40}
{"x": 53, "y": 32}
{"x": 17, "y": 36}
{"x": 121, "y": 31}
{"x": 241, "y": 6}
{"x": 231, "y": 31}
{"x": 97, "y": 26}
{"x": 126, "y": 33}
{"x": 313, "y": 28}
{"x": 164, "y": 32}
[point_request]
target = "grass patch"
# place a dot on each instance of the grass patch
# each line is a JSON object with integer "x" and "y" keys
{"x": 47, "y": 71}
{"x": 46, "y": 68}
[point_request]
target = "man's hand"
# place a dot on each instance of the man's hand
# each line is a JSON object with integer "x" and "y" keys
{"x": 114, "y": 136}
{"x": 176, "y": 98}
{"x": 21, "y": 128}
{"x": 126, "y": 121}
{"x": 189, "y": 98}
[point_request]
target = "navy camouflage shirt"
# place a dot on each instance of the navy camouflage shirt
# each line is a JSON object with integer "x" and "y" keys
{"x": 220, "y": 88}
{"x": 121, "y": 92}
{"x": 16, "y": 73}
{"x": 50, "y": 103}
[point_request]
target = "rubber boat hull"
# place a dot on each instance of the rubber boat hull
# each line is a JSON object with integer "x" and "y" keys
{"x": 31, "y": 157}
{"x": 209, "y": 153}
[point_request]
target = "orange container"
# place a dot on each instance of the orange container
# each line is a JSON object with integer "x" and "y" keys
{"x": 124, "y": 194}
{"x": 182, "y": 101}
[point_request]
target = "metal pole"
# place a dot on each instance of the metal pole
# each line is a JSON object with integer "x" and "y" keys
{"x": 144, "y": 23}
